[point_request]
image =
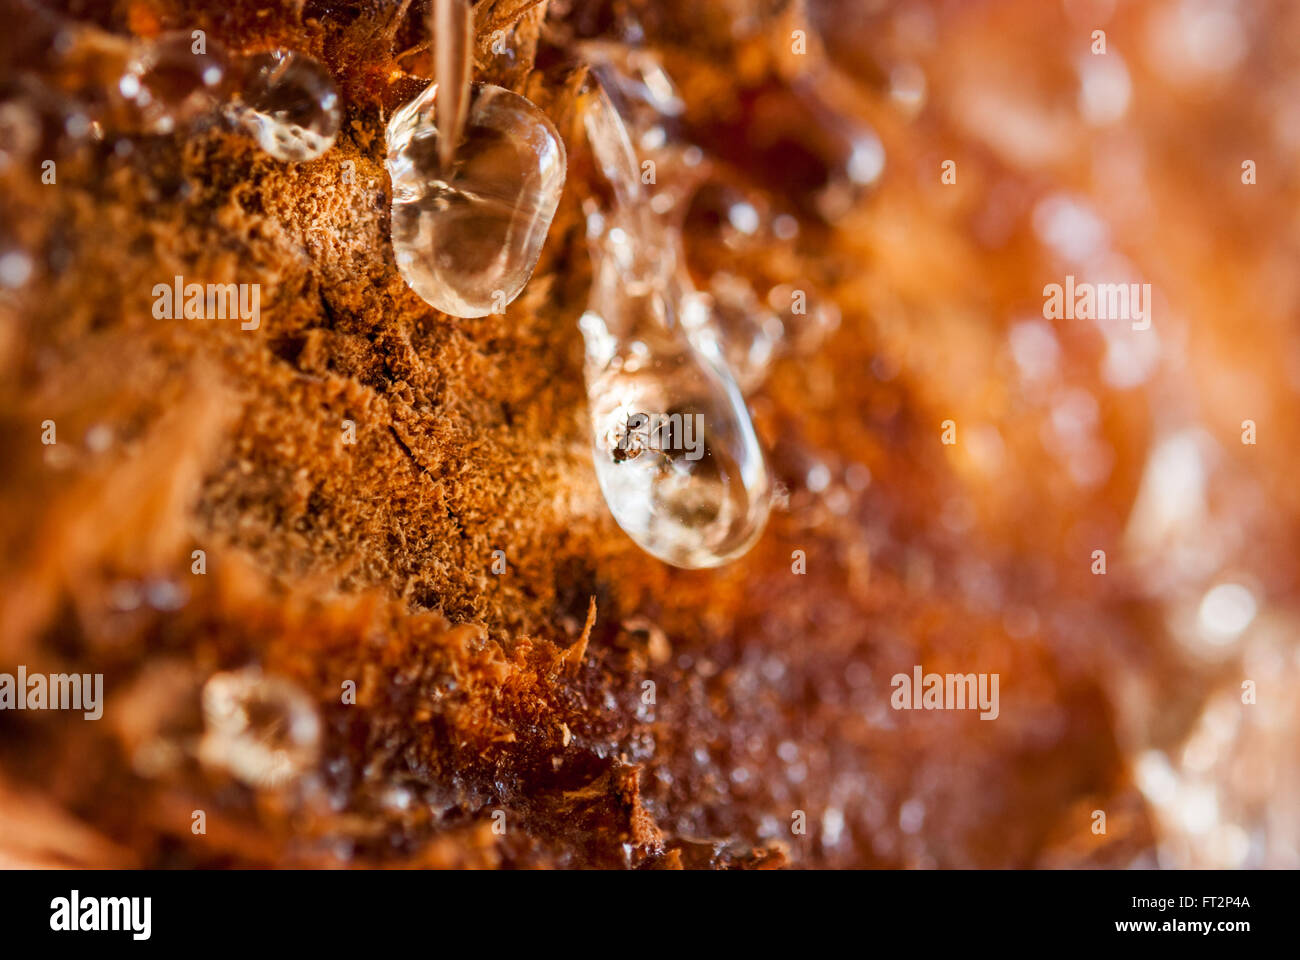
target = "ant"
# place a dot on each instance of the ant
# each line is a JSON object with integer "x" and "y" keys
{"x": 624, "y": 450}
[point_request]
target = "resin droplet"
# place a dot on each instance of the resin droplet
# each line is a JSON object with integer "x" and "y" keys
{"x": 261, "y": 729}
{"x": 645, "y": 100}
{"x": 640, "y": 90}
{"x": 674, "y": 448}
{"x": 748, "y": 334}
{"x": 170, "y": 85}
{"x": 675, "y": 452}
{"x": 467, "y": 239}
{"x": 729, "y": 322}
{"x": 289, "y": 105}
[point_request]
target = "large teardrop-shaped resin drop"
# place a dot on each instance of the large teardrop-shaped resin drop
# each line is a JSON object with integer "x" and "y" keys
{"x": 674, "y": 448}
{"x": 467, "y": 239}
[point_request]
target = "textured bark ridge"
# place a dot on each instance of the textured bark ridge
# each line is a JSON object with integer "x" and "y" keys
{"x": 697, "y": 716}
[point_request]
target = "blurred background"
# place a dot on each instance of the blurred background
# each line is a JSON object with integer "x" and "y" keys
{"x": 1165, "y": 447}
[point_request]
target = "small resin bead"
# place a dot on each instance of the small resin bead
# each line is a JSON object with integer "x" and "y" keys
{"x": 289, "y": 105}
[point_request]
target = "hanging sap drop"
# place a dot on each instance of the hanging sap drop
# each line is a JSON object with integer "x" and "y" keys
{"x": 673, "y": 445}
{"x": 467, "y": 239}
{"x": 674, "y": 448}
